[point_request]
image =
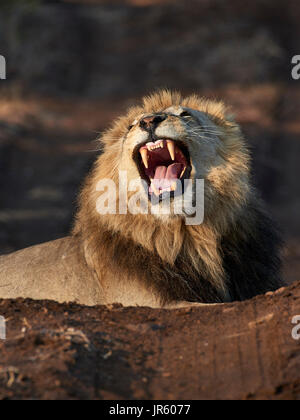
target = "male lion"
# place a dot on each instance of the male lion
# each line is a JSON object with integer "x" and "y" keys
{"x": 155, "y": 259}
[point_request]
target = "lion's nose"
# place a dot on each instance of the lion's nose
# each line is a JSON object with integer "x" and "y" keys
{"x": 152, "y": 121}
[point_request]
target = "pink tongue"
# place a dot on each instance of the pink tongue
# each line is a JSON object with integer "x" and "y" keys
{"x": 174, "y": 171}
{"x": 163, "y": 177}
{"x": 160, "y": 172}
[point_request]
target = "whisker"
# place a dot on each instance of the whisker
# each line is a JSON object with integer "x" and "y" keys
{"x": 207, "y": 130}
{"x": 199, "y": 132}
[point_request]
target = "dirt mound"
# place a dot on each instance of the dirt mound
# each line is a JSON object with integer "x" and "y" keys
{"x": 237, "y": 351}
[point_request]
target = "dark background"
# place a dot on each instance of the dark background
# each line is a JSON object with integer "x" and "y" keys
{"x": 73, "y": 66}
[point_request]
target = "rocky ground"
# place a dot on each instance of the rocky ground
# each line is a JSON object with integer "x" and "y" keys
{"x": 237, "y": 351}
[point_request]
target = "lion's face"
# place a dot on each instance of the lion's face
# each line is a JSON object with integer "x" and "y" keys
{"x": 170, "y": 146}
{"x": 164, "y": 146}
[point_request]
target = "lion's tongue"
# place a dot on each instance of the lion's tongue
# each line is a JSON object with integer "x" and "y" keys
{"x": 164, "y": 176}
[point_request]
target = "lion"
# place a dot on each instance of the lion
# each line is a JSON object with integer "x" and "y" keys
{"x": 160, "y": 258}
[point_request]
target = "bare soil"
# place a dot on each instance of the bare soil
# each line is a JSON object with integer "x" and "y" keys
{"x": 236, "y": 351}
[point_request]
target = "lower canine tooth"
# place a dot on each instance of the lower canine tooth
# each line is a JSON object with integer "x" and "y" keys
{"x": 156, "y": 191}
{"x": 144, "y": 154}
{"x": 182, "y": 173}
{"x": 174, "y": 186}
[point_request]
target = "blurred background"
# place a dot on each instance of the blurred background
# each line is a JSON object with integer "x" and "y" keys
{"x": 73, "y": 66}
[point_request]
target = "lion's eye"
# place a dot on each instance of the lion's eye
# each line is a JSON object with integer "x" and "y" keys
{"x": 185, "y": 114}
{"x": 130, "y": 127}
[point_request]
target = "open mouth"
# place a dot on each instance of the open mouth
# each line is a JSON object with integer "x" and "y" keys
{"x": 164, "y": 165}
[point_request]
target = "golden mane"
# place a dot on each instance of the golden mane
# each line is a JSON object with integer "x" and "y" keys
{"x": 176, "y": 261}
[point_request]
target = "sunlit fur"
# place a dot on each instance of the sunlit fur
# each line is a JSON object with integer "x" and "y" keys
{"x": 232, "y": 255}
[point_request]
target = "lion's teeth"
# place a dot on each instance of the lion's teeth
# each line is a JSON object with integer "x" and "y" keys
{"x": 182, "y": 173}
{"x": 171, "y": 148}
{"x": 144, "y": 154}
{"x": 155, "y": 190}
{"x": 174, "y": 186}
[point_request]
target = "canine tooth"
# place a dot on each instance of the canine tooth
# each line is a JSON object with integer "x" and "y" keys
{"x": 144, "y": 154}
{"x": 174, "y": 186}
{"x": 171, "y": 148}
{"x": 182, "y": 173}
{"x": 156, "y": 191}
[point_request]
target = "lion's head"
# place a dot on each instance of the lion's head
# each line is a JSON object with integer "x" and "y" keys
{"x": 170, "y": 140}
{"x": 161, "y": 144}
